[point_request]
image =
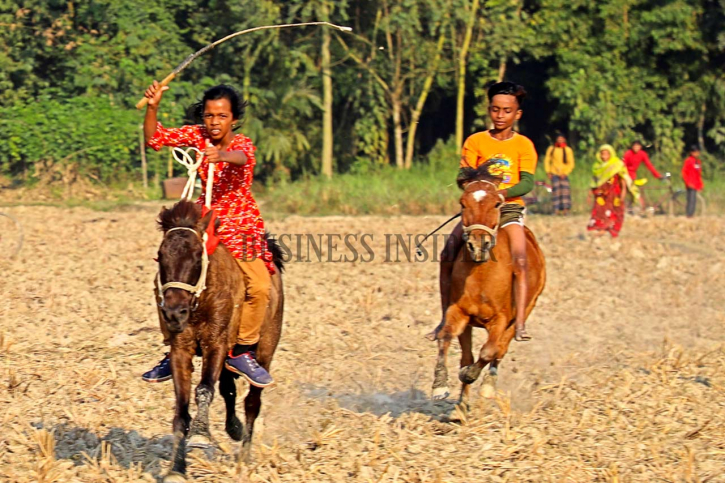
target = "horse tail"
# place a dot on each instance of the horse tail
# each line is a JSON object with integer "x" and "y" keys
{"x": 276, "y": 251}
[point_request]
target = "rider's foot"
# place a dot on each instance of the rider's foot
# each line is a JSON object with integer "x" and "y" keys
{"x": 246, "y": 365}
{"x": 521, "y": 334}
{"x": 432, "y": 336}
{"x": 160, "y": 373}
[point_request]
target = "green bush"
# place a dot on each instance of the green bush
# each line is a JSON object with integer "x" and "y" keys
{"x": 94, "y": 133}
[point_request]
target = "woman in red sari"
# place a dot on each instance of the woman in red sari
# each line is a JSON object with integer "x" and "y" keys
{"x": 609, "y": 188}
{"x": 241, "y": 228}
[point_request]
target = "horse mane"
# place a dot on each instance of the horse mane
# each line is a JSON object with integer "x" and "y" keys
{"x": 182, "y": 214}
{"x": 482, "y": 173}
{"x": 276, "y": 251}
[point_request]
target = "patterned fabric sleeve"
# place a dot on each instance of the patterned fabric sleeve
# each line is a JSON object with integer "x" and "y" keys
{"x": 244, "y": 144}
{"x": 176, "y": 137}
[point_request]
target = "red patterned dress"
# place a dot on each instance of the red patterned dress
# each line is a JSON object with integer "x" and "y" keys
{"x": 241, "y": 226}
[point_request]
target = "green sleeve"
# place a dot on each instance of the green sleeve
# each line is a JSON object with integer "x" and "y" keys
{"x": 522, "y": 187}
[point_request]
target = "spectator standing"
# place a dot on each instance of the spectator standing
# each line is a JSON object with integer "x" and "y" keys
{"x": 559, "y": 163}
{"x": 692, "y": 176}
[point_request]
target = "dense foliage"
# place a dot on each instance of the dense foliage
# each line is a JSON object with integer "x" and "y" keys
{"x": 605, "y": 71}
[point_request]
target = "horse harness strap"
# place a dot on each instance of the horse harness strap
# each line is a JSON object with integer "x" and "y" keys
{"x": 493, "y": 232}
{"x": 197, "y": 289}
{"x": 192, "y": 166}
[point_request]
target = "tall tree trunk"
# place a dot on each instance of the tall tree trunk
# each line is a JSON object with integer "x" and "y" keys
{"x": 142, "y": 147}
{"x": 326, "y": 101}
{"x": 246, "y": 82}
{"x": 397, "y": 130}
{"x": 415, "y": 115}
{"x": 462, "y": 65}
{"x": 502, "y": 69}
{"x": 701, "y": 127}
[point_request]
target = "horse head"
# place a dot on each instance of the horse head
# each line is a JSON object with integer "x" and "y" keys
{"x": 480, "y": 215}
{"x": 181, "y": 259}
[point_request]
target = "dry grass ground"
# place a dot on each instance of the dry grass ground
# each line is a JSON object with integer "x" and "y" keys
{"x": 623, "y": 382}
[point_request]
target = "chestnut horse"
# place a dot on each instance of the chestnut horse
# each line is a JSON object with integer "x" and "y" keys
{"x": 482, "y": 288}
{"x": 207, "y": 323}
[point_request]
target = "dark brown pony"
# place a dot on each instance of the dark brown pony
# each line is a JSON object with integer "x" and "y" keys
{"x": 208, "y": 326}
{"x": 482, "y": 284}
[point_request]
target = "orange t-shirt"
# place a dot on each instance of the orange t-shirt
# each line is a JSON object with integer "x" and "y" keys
{"x": 515, "y": 155}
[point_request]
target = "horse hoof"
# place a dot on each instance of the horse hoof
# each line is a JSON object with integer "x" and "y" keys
{"x": 469, "y": 374}
{"x": 440, "y": 393}
{"x": 488, "y": 389}
{"x": 199, "y": 441}
{"x": 174, "y": 477}
{"x": 235, "y": 429}
{"x": 432, "y": 336}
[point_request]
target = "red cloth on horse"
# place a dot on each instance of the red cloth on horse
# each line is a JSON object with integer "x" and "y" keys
{"x": 608, "y": 210}
{"x": 241, "y": 226}
{"x": 692, "y": 173}
{"x": 212, "y": 239}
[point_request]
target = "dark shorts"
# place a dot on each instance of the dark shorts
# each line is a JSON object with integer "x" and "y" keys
{"x": 512, "y": 213}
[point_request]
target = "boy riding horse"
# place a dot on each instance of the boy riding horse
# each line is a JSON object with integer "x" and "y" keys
{"x": 516, "y": 157}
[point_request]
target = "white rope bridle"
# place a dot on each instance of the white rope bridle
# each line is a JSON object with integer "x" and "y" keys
{"x": 493, "y": 232}
{"x": 192, "y": 166}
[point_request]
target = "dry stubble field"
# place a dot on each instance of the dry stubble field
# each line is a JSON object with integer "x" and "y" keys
{"x": 623, "y": 381}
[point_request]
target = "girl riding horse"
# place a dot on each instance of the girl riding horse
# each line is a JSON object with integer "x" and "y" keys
{"x": 241, "y": 227}
{"x": 516, "y": 156}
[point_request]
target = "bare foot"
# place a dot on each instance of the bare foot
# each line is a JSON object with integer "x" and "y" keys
{"x": 432, "y": 336}
{"x": 522, "y": 335}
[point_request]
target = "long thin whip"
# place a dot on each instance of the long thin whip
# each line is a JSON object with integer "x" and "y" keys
{"x": 196, "y": 54}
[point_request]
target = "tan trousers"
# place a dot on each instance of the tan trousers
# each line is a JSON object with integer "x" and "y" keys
{"x": 257, "y": 282}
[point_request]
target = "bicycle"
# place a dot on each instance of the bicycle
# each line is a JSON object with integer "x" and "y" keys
{"x": 539, "y": 199}
{"x": 11, "y": 236}
{"x": 672, "y": 202}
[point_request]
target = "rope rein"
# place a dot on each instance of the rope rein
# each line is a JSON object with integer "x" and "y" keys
{"x": 183, "y": 156}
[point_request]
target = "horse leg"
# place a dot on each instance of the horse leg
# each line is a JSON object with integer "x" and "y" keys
{"x": 493, "y": 351}
{"x": 181, "y": 367}
{"x": 469, "y": 374}
{"x": 456, "y": 322}
{"x": 488, "y": 388}
{"x": 448, "y": 257}
{"x": 252, "y": 406}
{"x": 199, "y": 435}
{"x": 465, "y": 339}
{"x": 228, "y": 390}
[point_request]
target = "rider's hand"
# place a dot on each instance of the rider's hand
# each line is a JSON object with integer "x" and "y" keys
{"x": 549, "y": 175}
{"x": 154, "y": 93}
{"x": 212, "y": 154}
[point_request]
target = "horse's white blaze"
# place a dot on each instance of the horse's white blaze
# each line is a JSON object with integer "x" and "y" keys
{"x": 479, "y": 195}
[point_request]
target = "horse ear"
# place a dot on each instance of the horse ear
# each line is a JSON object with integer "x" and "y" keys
{"x": 465, "y": 176}
{"x": 163, "y": 219}
{"x": 205, "y": 220}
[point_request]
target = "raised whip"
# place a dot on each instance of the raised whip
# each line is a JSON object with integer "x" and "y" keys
{"x": 193, "y": 56}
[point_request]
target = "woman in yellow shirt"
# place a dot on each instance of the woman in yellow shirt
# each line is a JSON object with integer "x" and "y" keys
{"x": 516, "y": 156}
{"x": 559, "y": 163}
